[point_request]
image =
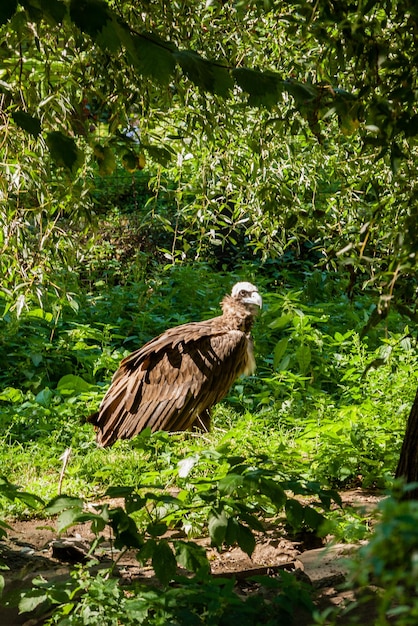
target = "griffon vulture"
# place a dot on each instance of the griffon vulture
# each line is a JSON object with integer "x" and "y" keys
{"x": 172, "y": 382}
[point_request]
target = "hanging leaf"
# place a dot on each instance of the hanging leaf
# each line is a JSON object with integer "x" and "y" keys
{"x": 91, "y": 16}
{"x": 208, "y": 76}
{"x": 63, "y": 149}
{"x": 53, "y": 11}
{"x": 191, "y": 556}
{"x": 151, "y": 55}
{"x": 27, "y": 122}
{"x": 294, "y": 513}
{"x": 245, "y": 539}
{"x": 217, "y": 525}
{"x": 264, "y": 88}
{"x": 164, "y": 562}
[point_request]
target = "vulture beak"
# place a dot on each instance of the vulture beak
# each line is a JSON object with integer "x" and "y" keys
{"x": 254, "y": 301}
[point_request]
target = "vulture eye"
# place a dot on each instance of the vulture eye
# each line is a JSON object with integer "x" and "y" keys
{"x": 243, "y": 293}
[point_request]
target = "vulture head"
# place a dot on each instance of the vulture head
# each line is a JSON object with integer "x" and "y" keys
{"x": 247, "y": 294}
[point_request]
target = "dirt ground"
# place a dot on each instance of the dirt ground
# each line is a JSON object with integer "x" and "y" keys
{"x": 34, "y": 548}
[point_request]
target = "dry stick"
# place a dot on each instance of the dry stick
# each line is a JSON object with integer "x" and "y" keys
{"x": 64, "y": 458}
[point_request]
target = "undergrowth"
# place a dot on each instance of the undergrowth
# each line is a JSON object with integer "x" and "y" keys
{"x": 325, "y": 410}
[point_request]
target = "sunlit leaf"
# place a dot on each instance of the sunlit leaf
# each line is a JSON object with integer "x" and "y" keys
{"x": 217, "y": 525}
{"x": 191, "y": 556}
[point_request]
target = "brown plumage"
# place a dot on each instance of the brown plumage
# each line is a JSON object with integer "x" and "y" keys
{"x": 173, "y": 380}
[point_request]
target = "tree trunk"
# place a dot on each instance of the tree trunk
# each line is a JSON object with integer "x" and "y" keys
{"x": 408, "y": 462}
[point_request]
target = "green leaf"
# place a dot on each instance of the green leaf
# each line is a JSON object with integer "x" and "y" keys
{"x": 61, "y": 503}
{"x": 151, "y": 56}
{"x": 32, "y": 600}
{"x": 91, "y": 16}
{"x": 230, "y": 483}
{"x": 312, "y": 518}
{"x": 10, "y": 394}
{"x": 191, "y": 556}
{"x": 11, "y": 492}
{"x": 71, "y": 382}
{"x": 302, "y": 92}
{"x": 63, "y": 149}
{"x": 279, "y": 351}
{"x": 7, "y": 9}
{"x": 164, "y": 562}
{"x": 303, "y": 357}
{"x": 217, "y": 525}
{"x": 205, "y": 74}
{"x": 274, "y": 491}
{"x": 245, "y": 539}
{"x": 294, "y": 513}
{"x": 125, "y": 529}
{"x": 281, "y": 322}
{"x": 264, "y": 88}
{"x": 26, "y": 121}
{"x": 157, "y": 529}
{"x": 44, "y": 397}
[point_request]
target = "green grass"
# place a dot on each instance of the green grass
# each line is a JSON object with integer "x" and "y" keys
{"x": 324, "y": 404}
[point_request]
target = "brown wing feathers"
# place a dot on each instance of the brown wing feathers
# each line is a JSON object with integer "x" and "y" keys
{"x": 177, "y": 377}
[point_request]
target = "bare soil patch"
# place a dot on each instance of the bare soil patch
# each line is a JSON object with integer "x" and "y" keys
{"x": 34, "y": 547}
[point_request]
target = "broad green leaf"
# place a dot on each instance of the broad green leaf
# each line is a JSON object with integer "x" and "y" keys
{"x": 125, "y": 529}
{"x": 91, "y": 16}
{"x": 294, "y": 513}
{"x": 10, "y": 394}
{"x": 7, "y": 9}
{"x": 71, "y": 382}
{"x": 230, "y": 483}
{"x": 281, "y": 322}
{"x": 12, "y": 492}
{"x": 263, "y": 88}
{"x": 164, "y": 562}
{"x": 32, "y": 600}
{"x": 63, "y": 149}
{"x": 217, "y": 525}
{"x": 44, "y": 397}
{"x": 191, "y": 556}
{"x": 69, "y": 517}
{"x": 303, "y": 357}
{"x": 207, "y": 75}
{"x": 302, "y": 92}
{"x": 157, "y": 529}
{"x": 279, "y": 351}
{"x": 274, "y": 491}
{"x": 41, "y": 313}
{"x": 312, "y": 518}
{"x": 151, "y": 56}
{"x": 26, "y": 121}
{"x": 61, "y": 503}
{"x": 3, "y": 531}
{"x": 245, "y": 539}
